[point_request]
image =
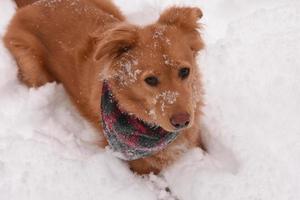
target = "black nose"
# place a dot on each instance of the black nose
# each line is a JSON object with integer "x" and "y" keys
{"x": 180, "y": 120}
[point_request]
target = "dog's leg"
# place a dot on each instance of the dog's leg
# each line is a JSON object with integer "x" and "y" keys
{"x": 144, "y": 166}
{"x": 28, "y": 52}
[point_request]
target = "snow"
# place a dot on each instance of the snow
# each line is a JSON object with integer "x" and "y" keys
{"x": 166, "y": 98}
{"x": 251, "y": 73}
{"x": 128, "y": 74}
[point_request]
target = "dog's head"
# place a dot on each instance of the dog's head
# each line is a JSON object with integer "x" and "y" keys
{"x": 152, "y": 70}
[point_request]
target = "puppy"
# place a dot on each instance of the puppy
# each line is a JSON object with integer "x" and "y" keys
{"x": 139, "y": 86}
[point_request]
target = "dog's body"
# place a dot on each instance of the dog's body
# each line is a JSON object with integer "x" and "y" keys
{"x": 80, "y": 43}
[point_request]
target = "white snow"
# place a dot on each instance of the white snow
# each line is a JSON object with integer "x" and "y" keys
{"x": 129, "y": 72}
{"x": 251, "y": 71}
{"x": 166, "y": 98}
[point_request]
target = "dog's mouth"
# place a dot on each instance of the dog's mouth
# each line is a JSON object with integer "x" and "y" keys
{"x": 129, "y": 136}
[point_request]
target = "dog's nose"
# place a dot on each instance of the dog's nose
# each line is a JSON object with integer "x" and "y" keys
{"x": 180, "y": 120}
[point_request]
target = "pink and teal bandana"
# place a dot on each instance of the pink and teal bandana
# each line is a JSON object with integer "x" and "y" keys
{"x": 128, "y": 135}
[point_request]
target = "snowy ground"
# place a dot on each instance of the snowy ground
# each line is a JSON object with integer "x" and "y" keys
{"x": 251, "y": 70}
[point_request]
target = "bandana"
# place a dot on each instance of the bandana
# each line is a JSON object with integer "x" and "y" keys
{"x": 127, "y": 135}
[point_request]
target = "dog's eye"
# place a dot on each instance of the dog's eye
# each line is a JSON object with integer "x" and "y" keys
{"x": 152, "y": 80}
{"x": 184, "y": 72}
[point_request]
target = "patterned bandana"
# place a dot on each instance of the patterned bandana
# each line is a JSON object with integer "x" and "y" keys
{"x": 128, "y": 135}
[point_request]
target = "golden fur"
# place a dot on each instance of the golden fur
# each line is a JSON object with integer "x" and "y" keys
{"x": 79, "y": 43}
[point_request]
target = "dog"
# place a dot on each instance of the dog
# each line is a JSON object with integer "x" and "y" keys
{"x": 120, "y": 76}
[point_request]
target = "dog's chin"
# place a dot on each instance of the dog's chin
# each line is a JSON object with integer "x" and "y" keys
{"x": 148, "y": 120}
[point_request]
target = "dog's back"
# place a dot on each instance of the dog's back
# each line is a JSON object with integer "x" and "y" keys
{"x": 21, "y": 3}
{"x": 105, "y": 5}
{"x": 61, "y": 28}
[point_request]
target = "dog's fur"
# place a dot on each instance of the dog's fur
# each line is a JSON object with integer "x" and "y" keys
{"x": 79, "y": 43}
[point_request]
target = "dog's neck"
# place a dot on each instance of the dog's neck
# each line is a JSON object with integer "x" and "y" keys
{"x": 87, "y": 94}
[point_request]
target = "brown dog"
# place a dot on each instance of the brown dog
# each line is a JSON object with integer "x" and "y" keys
{"x": 151, "y": 70}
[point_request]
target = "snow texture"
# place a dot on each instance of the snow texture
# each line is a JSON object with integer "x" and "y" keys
{"x": 251, "y": 71}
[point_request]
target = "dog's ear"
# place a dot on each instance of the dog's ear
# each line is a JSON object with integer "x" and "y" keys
{"x": 183, "y": 17}
{"x": 116, "y": 41}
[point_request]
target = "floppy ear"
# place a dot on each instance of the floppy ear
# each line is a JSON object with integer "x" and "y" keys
{"x": 116, "y": 41}
{"x": 186, "y": 19}
{"x": 183, "y": 17}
